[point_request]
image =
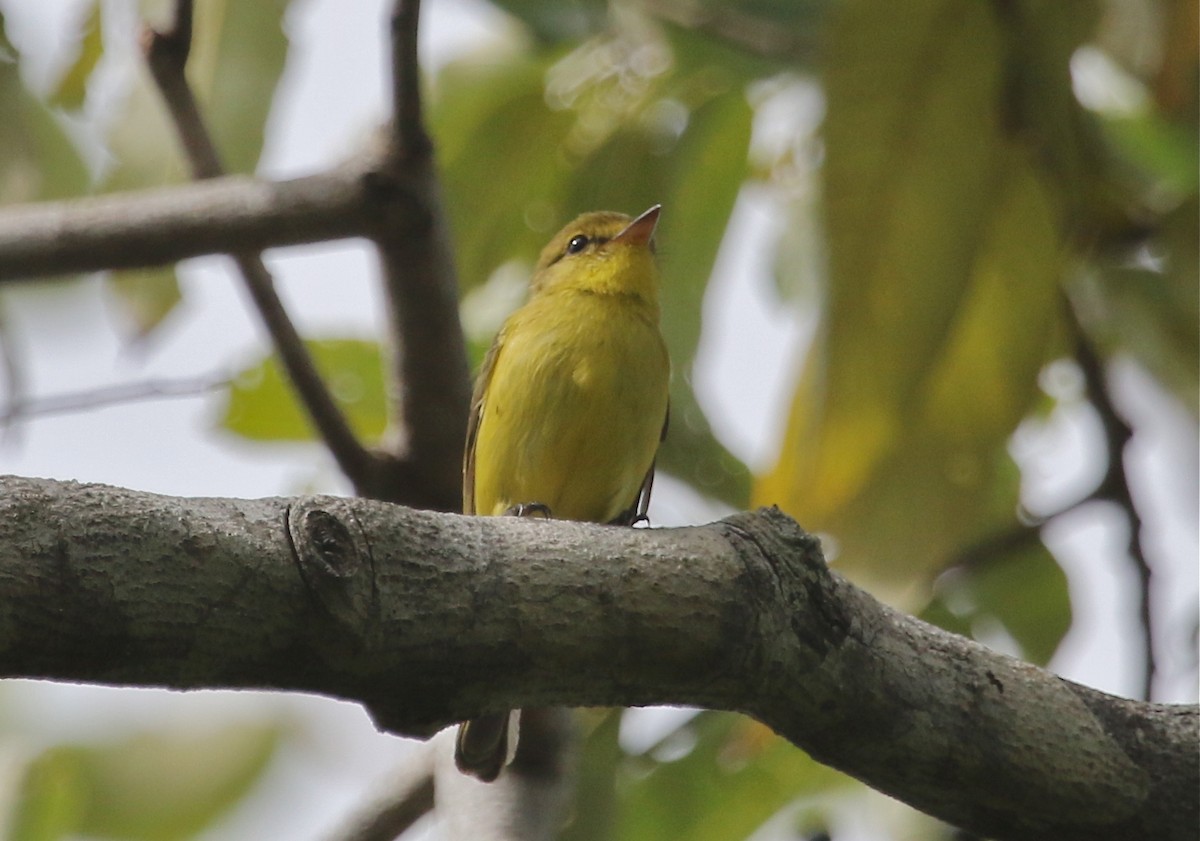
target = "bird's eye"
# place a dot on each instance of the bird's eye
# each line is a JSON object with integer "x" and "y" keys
{"x": 577, "y": 244}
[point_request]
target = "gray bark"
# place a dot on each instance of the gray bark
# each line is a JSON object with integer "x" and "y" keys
{"x": 235, "y": 213}
{"x": 430, "y": 618}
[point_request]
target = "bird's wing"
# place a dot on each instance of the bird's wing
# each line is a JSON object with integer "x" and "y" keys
{"x": 641, "y": 502}
{"x": 481, "y": 387}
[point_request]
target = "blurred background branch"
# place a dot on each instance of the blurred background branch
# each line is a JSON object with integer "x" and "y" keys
{"x": 167, "y": 53}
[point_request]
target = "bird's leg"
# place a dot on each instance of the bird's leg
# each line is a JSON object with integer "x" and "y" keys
{"x": 529, "y": 509}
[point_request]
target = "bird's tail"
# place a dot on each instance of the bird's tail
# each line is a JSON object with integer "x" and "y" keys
{"x": 485, "y": 745}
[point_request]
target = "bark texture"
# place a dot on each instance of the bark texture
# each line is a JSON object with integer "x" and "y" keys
{"x": 428, "y": 619}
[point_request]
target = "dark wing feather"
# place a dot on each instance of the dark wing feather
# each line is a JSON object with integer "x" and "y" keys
{"x": 481, "y": 386}
{"x": 641, "y": 502}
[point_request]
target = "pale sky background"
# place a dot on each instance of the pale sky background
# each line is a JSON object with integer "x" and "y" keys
{"x": 333, "y": 94}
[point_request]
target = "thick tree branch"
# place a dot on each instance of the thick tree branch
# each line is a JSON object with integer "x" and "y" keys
{"x": 168, "y": 224}
{"x": 431, "y": 618}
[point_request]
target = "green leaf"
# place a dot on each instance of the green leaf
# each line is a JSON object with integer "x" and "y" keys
{"x": 748, "y": 39}
{"x": 1163, "y": 150}
{"x": 1040, "y": 40}
{"x": 262, "y": 405}
{"x": 738, "y": 775}
{"x": 910, "y": 178}
{"x": 37, "y": 159}
{"x": 241, "y": 59}
{"x": 781, "y": 14}
{"x": 1027, "y": 593}
{"x": 51, "y": 800}
{"x": 1022, "y": 589}
{"x": 237, "y": 57}
{"x": 594, "y": 812}
{"x": 72, "y": 87}
{"x": 1152, "y": 312}
{"x": 152, "y": 787}
{"x": 146, "y": 296}
{"x": 1153, "y": 317}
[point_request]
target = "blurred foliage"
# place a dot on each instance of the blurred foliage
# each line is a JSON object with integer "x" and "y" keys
{"x": 238, "y": 53}
{"x": 930, "y": 344}
{"x": 150, "y": 787}
{"x": 962, "y": 202}
{"x": 737, "y": 775}
{"x": 1017, "y": 589}
{"x": 72, "y": 87}
{"x": 719, "y": 776}
{"x": 37, "y": 159}
{"x": 261, "y": 404}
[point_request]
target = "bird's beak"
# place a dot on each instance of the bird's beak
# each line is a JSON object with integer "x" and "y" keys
{"x": 641, "y": 229}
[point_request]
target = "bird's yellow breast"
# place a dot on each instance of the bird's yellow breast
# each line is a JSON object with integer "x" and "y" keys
{"x": 574, "y": 410}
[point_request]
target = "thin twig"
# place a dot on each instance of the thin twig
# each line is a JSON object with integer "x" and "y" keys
{"x": 1000, "y": 543}
{"x": 96, "y": 398}
{"x": 1021, "y": 535}
{"x": 166, "y": 54}
{"x": 408, "y": 133}
{"x": 12, "y": 370}
{"x": 410, "y": 796}
{"x": 1115, "y": 488}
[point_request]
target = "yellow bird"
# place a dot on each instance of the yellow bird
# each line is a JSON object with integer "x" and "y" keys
{"x": 570, "y": 405}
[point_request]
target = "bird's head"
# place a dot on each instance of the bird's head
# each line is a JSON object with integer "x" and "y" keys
{"x": 602, "y": 252}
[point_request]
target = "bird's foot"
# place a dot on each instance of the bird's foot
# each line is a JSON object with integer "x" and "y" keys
{"x": 529, "y": 509}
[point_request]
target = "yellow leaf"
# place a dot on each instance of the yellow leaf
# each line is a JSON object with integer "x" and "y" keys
{"x": 941, "y": 304}
{"x": 72, "y": 87}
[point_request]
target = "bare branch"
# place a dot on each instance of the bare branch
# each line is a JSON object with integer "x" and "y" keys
{"x": 60, "y": 404}
{"x": 12, "y": 371}
{"x": 1021, "y": 535}
{"x": 168, "y": 224}
{"x": 409, "y": 796}
{"x": 429, "y": 380}
{"x": 408, "y": 131}
{"x": 431, "y": 618}
{"x": 166, "y": 54}
{"x": 1115, "y": 488}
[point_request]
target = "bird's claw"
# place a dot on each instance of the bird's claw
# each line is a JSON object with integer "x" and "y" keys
{"x": 529, "y": 509}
